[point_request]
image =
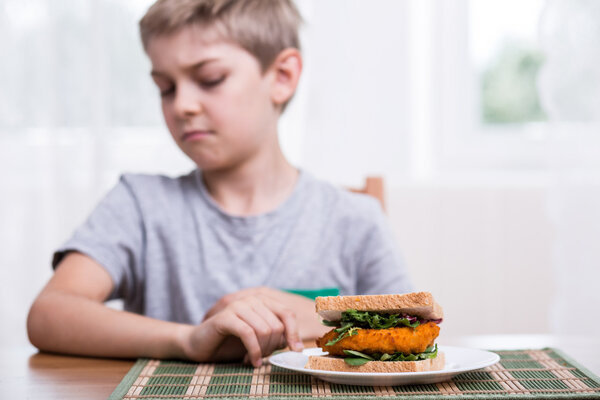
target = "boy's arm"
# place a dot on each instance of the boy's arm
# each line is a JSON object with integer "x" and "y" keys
{"x": 69, "y": 317}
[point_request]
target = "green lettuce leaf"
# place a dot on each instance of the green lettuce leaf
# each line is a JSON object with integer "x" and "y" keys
{"x": 357, "y": 358}
{"x": 430, "y": 352}
{"x": 358, "y": 354}
{"x": 344, "y": 331}
{"x": 356, "y": 362}
{"x": 373, "y": 320}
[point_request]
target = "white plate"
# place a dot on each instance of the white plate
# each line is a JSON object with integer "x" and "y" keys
{"x": 458, "y": 360}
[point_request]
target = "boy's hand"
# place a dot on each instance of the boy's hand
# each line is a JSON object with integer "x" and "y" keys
{"x": 309, "y": 323}
{"x": 261, "y": 326}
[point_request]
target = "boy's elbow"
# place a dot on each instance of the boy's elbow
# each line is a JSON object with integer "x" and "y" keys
{"x": 36, "y": 323}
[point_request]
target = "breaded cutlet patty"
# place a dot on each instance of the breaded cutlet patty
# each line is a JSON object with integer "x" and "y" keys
{"x": 393, "y": 340}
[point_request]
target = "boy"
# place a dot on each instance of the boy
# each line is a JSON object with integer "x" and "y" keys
{"x": 201, "y": 260}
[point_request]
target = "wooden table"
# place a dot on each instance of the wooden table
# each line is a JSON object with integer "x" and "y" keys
{"x": 27, "y": 374}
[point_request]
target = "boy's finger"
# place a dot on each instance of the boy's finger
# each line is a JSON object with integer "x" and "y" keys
{"x": 241, "y": 329}
{"x": 290, "y": 323}
{"x": 255, "y": 319}
{"x": 275, "y": 326}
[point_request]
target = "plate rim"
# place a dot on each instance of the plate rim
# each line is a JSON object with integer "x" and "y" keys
{"x": 494, "y": 358}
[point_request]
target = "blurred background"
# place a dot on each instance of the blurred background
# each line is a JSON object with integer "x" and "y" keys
{"x": 483, "y": 116}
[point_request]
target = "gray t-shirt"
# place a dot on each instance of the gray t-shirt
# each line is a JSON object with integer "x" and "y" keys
{"x": 172, "y": 252}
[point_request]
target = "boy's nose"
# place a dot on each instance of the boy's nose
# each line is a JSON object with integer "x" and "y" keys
{"x": 187, "y": 103}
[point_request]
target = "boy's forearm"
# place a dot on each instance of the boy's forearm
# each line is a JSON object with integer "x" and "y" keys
{"x": 66, "y": 323}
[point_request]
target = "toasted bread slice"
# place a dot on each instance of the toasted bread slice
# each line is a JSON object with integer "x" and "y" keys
{"x": 328, "y": 363}
{"x": 419, "y": 304}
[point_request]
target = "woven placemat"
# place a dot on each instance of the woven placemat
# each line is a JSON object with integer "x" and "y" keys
{"x": 520, "y": 374}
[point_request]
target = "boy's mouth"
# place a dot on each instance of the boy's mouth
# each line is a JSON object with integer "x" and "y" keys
{"x": 195, "y": 135}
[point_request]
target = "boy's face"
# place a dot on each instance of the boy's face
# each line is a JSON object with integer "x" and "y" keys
{"x": 216, "y": 101}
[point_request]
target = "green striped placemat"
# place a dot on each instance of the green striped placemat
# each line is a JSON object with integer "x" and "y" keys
{"x": 520, "y": 374}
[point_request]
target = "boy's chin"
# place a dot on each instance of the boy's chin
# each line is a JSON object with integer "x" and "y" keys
{"x": 207, "y": 164}
{"x": 225, "y": 164}
{"x": 213, "y": 167}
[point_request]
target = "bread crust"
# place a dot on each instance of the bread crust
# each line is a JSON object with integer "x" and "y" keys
{"x": 328, "y": 363}
{"x": 418, "y": 304}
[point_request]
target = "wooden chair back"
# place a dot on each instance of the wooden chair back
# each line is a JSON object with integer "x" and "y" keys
{"x": 373, "y": 187}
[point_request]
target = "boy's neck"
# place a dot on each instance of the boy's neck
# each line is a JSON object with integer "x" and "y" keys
{"x": 254, "y": 188}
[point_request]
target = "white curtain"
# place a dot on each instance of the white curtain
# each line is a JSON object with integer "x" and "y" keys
{"x": 77, "y": 107}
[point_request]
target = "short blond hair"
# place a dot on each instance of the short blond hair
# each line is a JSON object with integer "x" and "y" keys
{"x": 262, "y": 27}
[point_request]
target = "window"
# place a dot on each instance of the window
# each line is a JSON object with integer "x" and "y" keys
{"x": 78, "y": 88}
{"x": 82, "y": 70}
{"x": 506, "y": 56}
{"x": 488, "y": 60}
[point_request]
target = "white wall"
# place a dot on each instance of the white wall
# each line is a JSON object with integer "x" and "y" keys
{"x": 484, "y": 250}
{"x": 356, "y": 111}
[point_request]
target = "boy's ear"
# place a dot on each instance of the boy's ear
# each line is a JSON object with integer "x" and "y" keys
{"x": 286, "y": 70}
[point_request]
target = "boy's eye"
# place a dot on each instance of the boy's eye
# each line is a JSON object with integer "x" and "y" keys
{"x": 167, "y": 92}
{"x": 209, "y": 83}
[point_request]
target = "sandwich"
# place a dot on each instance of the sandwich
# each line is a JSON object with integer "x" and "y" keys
{"x": 379, "y": 333}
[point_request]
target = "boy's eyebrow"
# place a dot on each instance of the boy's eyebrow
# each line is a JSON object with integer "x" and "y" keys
{"x": 188, "y": 68}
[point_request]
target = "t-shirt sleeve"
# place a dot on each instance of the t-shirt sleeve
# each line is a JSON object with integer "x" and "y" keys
{"x": 381, "y": 268}
{"x": 112, "y": 236}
